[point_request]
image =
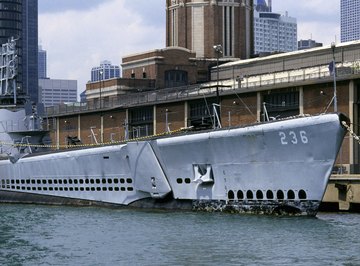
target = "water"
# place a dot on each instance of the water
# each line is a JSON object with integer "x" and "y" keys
{"x": 41, "y": 235}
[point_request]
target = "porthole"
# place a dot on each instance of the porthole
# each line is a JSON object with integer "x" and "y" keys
{"x": 65, "y": 181}
{"x": 231, "y": 195}
{"x": 75, "y": 181}
{"x": 81, "y": 181}
{"x": 87, "y": 189}
{"x": 104, "y": 188}
{"x": 302, "y": 194}
{"x": 290, "y": 195}
{"x": 92, "y": 181}
{"x": 130, "y": 189}
{"x": 17, "y": 187}
{"x": 65, "y": 189}
{"x": 70, "y": 181}
{"x": 51, "y": 189}
{"x": 76, "y": 189}
{"x": 56, "y": 188}
{"x": 129, "y": 180}
{"x": 86, "y": 181}
{"x": 28, "y": 181}
{"x": 28, "y": 188}
{"x": 71, "y": 189}
{"x": 23, "y": 188}
{"x": 60, "y": 181}
{"x": 44, "y": 188}
{"x": 123, "y": 189}
{"x": 269, "y": 195}
{"x": 103, "y": 180}
{"x": 92, "y": 189}
{"x": 116, "y": 188}
{"x": 81, "y": 189}
{"x": 110, "y": 189}
{"x": 22, "y": 181}
{"x": 187, "y": 180}
{"x": 280, "y": 195}
{"x": 44, "y": 181}
{"x": 122, "y": 180}
{"x": 116, "y": 181}
{"x": 50, "y": 181}
{"x": 249, "y": 194}
{"x": 109, "y": 181}
{"x": 179, "y": 180}
{"x": 97, "y": 181}
{"x": 38, "y": 181}
{"x": 55, "y": 181}
{"x": 240, "y": 195}
{"x": 61, "y": 189}
{"x": 259, "y": 195}
{"x": 98, "y": 188}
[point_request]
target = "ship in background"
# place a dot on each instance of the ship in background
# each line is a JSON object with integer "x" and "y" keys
{"x": 276, "y": 167}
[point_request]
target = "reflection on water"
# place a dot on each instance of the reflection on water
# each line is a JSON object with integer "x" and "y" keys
{"x": 35, "y": 235}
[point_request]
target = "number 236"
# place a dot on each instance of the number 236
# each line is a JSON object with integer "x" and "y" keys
{"x": 293, "y": 137}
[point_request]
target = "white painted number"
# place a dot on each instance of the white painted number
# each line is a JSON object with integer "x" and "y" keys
{"x": 303, "y": 136}
{"x": 283, "y": 137}
{"x": 292, "y": 137}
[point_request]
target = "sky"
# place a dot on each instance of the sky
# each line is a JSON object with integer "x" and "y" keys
{"x": 79, "y": 34}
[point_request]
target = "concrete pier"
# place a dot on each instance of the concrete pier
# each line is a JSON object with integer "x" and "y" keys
{"x": 342, "y": 194}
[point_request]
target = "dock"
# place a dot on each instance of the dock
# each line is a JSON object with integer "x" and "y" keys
{"x": 342, "y": 193}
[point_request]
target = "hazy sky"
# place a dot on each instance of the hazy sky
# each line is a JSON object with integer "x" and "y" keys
{"x": 78, "y": 34}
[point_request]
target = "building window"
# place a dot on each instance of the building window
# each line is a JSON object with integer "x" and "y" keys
{"x": 282, "y": 104}
{"x": 175, "y": 78}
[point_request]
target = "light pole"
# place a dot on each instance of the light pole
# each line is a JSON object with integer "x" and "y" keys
{"x": 100, "y": 77}
{"x": 101, "y": 114}
{"x": 218, "y": 50}
{"x": 333, "y": 46}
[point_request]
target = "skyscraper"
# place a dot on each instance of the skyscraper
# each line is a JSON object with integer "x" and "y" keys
{"x": 273, "y": 32}
{"x": 42, "y": 63}
{"x": 200, "y": 25}
{"x": 30, "y": 48}
{"x": 19, "y": 19}
{"x": 105, "y": 71}
{"x": 350, "y": 20}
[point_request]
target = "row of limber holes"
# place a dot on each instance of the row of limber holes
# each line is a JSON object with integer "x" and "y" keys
{"x": 67, "y": 181}
{"x": 68, "y": 188}
{"x": 269, "y": 195}
{"x": 48, "y": 184}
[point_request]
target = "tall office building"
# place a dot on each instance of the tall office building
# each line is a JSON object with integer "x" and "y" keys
{"x": 350, "y": 20}
{"x": 42, "y": 60}
{"x": 273, "y": 32}
{"x": 19, "y": 19}
{"x": 200, "y": 25}
{"x": 57, "y": 91}
{"x": 105, "y": 71}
